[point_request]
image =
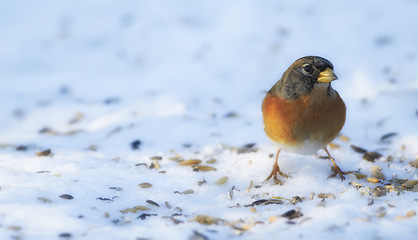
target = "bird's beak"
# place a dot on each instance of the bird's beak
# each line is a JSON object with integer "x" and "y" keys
{"x": 327, "y": 76}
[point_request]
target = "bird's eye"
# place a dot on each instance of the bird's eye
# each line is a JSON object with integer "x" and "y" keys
{"x": 308, "y": 68}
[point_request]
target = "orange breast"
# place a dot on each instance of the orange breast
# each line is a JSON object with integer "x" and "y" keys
{"x": 315, "y": 118}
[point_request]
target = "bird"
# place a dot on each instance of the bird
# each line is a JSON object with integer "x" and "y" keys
{"x": 302, "y": 113}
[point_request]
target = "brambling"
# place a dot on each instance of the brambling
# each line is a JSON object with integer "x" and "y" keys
{"x": 302, "y": 113}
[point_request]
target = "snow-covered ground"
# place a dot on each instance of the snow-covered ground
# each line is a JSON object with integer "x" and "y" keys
{"x": 121, "y": 91}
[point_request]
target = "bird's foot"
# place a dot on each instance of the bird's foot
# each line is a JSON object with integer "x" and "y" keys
{"x": 274, "y": 172}
{"x": 337, "y": 170}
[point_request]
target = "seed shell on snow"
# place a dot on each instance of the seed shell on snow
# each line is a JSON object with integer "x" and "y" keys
{"x": 372, "y": 180}
{"x": 66, "y": 196}
{"x": 190, "y": 162}
{"x": 152, "y": 203}
{"x": 145, "y": 185}
{"x": 326, "y": 195}
{"x": 358, "y": 149}
{"x": 45, "y": 153}
{"x": 204, "y": 168}
{"x": 221, "y": 181}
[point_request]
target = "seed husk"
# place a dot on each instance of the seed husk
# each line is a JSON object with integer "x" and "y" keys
{"x": 152, "y": 203}
{"x": 156, "y": 158}
{"x": 360, "y": 175}
{"x": 190, "y": 162}
{"x": 358, "y": 149}
{"x": 344, "y": 138}
{"x": 66, "y": 196}
{"x": 142, "y": 208}
{"x": 45, "y": 153}
{"x": 410, "y": 184}
{"x": 377, "y": 173}
{"x": 145, "y": 185}
{"x": 371, "y": 156}
{"x": 221, "y": 181}
{"x": 188, "y": 191}
{"x": 211, "y": 161}
{"x": 388, "y": 136}
{"x": 410, "y": 214}
{"x": 204, "y": 168}
{"x": 326, "y": 195}
{"x": 206, "y": 219}
{"x": 414, "y": 163}
{"x": 372, "y": 180}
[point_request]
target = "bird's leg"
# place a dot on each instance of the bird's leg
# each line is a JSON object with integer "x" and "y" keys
{"x": 335, "y": 169}
{"x": 275, "y": 171}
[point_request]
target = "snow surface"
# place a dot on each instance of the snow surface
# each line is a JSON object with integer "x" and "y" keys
{"x": 186, "y": 78}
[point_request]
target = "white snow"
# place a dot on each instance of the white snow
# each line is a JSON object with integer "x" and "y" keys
{"x": 187, "y": 79}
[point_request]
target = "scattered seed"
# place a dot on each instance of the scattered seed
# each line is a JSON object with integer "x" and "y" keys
{"x": 21, "y": 148}
{"x": 360, "y": 175}
{"x": 343, "y": 138}
{"x": 190, "y": 162}
{"x": 264, "y": 202}
{"x": 250, "y": 186}
{"x": 145, "y": 215}
{"x": 221, "y": 181}
{"x": 107, "y": 215}
{"x": 372, "y": 180}
{"x": 66, "y": 196}
{"x": 410, "y": 184}
{"x": 135, "y": 144}
{"x": 156, "y": 158}
{"x": 104, "y": 199}
{"x": 326, "y": 195}
{"x": 65, "y": 235}
{"x": 414, "y": 163}
{"x": 152, "y": 203}
{"x": 410, "y": 214}
{"x": 45, "y": 153}
{"x": 358, "y": 149}
{"x": 141, "y": 164}
{"x": 156, "y": 165}
{"x": 371, "y": 156}
{"x": 377, "y": 173}
{"x": 14, "y": 228}
{"x": 204, "y": 168}
{"x": 48, "y": 131}
{"x": 142, "y": 208}
{"x": 145, "y": 185}
{"x": 291, "y": 214}
{"x": 211, "y": 161}
{"x": 387, "y": 137}
{"x": 206, "y": 219}
{"x": 167, "y": 204}
{"x": 231, "y": 115}
{"x": 118, "y": 189}
{"x": 188, "y": 191}
{"x": 273, "y": 219}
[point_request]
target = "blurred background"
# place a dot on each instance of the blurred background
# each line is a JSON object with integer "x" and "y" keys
{"x": 194, "y": 59}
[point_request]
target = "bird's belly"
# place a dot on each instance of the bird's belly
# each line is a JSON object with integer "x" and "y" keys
{"x": 303, "y": 126}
